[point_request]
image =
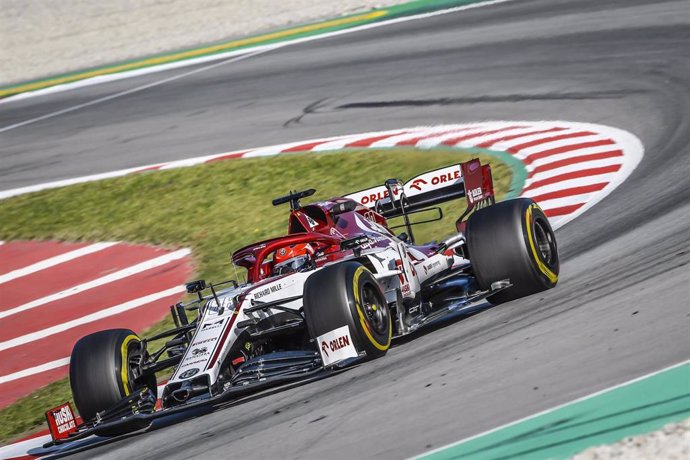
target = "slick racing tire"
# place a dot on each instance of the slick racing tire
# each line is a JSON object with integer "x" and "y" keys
{"x": 347, "y": 294}
{"x": 513, "y": 240}
{"x": 102, "y": 370}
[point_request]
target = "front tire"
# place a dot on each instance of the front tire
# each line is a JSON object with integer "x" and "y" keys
{"x": 102, "y": 370}
{"x": 513, "y": 240}
{"x": 347, "y": 294}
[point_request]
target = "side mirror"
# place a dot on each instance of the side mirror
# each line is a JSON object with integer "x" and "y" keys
{"x": 195, "y": 286}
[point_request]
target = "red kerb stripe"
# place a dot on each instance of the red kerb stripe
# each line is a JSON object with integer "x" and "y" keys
{"x": 573, "y": 175}
{"x": 303, "y": 147}
{"x": 566, "y": 148}
{"x": 570, "y": 192}
{"x": 575, "y": 160}
{"x": 545, "y": 140}
{"x": 370, "y": 140}
{"x": 19, "y": 254}
{"x": 455, "y": 140}
{"x": 229, "y": 156}
{"x": 517, "y": 136}
{"x": 413, "y": 141}
{"x": 149, "y": 168}
{"x": 563, "y": 210}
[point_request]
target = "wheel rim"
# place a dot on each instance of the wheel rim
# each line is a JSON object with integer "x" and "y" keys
{"x": 375, "y": 312}
{"x": 133, "y": 357}
{"x": 545, "y": 242}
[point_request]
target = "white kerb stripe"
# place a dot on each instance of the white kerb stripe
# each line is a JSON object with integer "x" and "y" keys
{"x": 580, "y": 153}
{"x": 509, "y": 144}
{"x": 569, "y": 183}
{"x": 548, "y": 145}
{"x": 494, "y": 138}
{"x": 53, "y": 261}
{"x": 133, "y": 270}
{"x": 34, "y": 370}
{"x": 106, "y": 312}
{"x": 436, "y": 140}
{"x": 565, "y": 201}
{"x": 592, "y": 164}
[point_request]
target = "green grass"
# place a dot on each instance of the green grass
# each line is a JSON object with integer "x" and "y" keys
{"x": 212, "y": 209}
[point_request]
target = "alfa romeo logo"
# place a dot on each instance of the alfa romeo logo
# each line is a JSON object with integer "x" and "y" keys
{"x": 189, "y": 373}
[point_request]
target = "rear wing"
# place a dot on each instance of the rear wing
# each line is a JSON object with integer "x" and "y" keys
{"x": 470, "y": 179}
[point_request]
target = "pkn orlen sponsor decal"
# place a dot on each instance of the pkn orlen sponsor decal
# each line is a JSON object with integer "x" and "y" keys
{"x": 426, "y": 182}
{"x": 451, "y": 174}
{"x": 336, "y": 345}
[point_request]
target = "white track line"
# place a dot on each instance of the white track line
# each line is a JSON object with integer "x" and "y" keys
{"x": 53, "y": 261}
{"x": 100, "y": 314}
{"x": 132, "y": 90}
{"x": 555, "y": 408}
{"x": 127, "y": 272}
{"x": 34, "y": 370}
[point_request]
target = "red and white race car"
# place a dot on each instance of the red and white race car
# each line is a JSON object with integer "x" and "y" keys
{"x": 336, "y": 289}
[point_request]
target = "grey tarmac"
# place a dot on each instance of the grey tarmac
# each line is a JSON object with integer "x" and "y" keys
{"x": 621, "y": 309}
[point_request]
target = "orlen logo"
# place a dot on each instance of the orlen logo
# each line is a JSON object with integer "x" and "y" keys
{"x": 64, "y": 419}
{"x": 374, "y": 197}
{"x": 416, "y": 184}
{"x": 442, "y": 178}
{"x": 445, "y": 177}
{"x": 335, "y": 344}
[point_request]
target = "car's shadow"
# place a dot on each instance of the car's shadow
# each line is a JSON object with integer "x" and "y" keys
{"x": 441, "y": 323}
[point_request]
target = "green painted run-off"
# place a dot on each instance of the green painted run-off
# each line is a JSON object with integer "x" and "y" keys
{"x": 636, "y": 408}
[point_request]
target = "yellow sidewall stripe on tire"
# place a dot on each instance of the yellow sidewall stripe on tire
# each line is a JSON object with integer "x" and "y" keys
{"x": 542, "y": 266}
{"x": 362, "y": 321}
{"x": 124, "y": 367}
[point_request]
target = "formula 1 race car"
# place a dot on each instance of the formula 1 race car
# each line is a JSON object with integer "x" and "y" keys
{"x": 335, "y": 290}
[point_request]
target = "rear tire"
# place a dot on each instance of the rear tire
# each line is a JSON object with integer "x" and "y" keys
{"x": 100, "y": 372}
{"x": 513, "y": 240}
{"x": 347, "y": 294}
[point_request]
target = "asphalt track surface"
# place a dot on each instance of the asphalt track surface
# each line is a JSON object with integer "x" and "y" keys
{"x": 622, "y": 307}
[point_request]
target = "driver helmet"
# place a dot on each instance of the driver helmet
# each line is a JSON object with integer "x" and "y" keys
{"x": 292, "y": 258}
